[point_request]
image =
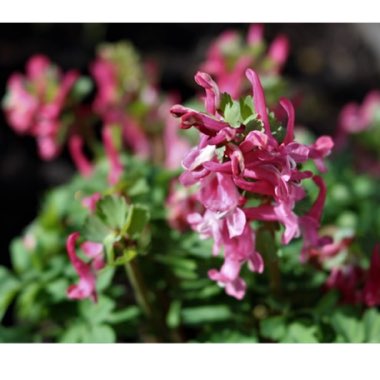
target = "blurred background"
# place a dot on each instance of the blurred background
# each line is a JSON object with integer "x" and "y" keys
{"x": 331, "y": 63}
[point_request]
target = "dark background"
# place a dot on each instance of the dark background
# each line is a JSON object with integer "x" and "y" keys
{"x": 332, "y": 63}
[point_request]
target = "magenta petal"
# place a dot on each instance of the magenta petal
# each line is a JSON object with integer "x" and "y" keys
{"x": 288, "y": 107}
{"x": 116, "y": 167}
{"x": 86, "y": 285}
{"x": 256, "y": 263}
{"x": 212, "y": 91}
{"x": 279, "y": 50}
{"x": 218, "y": 192}
{"x": 76, "y": 150}
{"x": 254, "y": 139}
{"x": 259, "y": 101}
{"x": 255, "y": 34}
{"x": 236, "y": 221}
{"x": 91, "y": 201}
{"x": 94, "y": 251}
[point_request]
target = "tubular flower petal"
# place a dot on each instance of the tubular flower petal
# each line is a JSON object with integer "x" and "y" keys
{"x": 86, "y": 285}
{"x": 76, "y": 149}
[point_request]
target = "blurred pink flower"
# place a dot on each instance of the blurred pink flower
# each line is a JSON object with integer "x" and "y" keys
{"x": 229, "y": 57}
{"x": 86, "y": 287}
{"x": 115, "y": 164}
{"x": 35, "y": 102}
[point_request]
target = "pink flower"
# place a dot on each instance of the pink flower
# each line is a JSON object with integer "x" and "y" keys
{"x": 348, "y": 280}
{"x": 35, "y": 102}
{"x": 238, "y": 250}
{"x": 116, "y": 91}
{"x": 91, "y": 201}
{"x": 357, "y": 285}
{"x": 175, "y": 146}
{"x": 86, "y": 287}
{"x": 229, "y": 57}
{"x": 105, "y": 74}
{"x": 116, "y": 166}
{"x": 355, "y": 118}
{"x": 232, "y": 165}
{"x": 278, "y": 52}
{"x": 181, "y": 203}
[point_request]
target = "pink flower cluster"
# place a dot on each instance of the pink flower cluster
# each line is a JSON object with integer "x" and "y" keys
{"x": 113, "y": 97}
{"x": 357, "y": 285}
{"x": 355, "y": 118}
{"x": 235, "y": 165}
{"x": 122, "y": 84}
{"x": 35, "y": 102}
{"x": 86, "y": 287}
{"x": 228, "y": 59}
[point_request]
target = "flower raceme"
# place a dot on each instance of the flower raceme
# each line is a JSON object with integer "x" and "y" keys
{"x": 247, "y": 169}
{"x": 35, "y": 102}
{"x": 229, "y": 57}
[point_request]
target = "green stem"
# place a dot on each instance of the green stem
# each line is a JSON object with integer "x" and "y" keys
{"x": 274, "y": 275}
{"x": 140, "y": 289}
{"x": 267, "y": 246}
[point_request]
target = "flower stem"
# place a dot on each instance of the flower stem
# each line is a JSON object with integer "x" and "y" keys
{"x": 141, "y": 292}
{"x": 267, "y": 246}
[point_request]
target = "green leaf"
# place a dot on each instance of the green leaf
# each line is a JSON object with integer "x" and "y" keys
{"x": 125, "y": 315}
{"x": 100, "y": 334}
{"x": 273, "y": 328}
{"x": 74, "y": 334}
{"x": 29, "y": 305}
{"x": 113, "y": 211}
{"x": 82, "y": 333}
{"x": 246, "y": 108}
{"x": 138, "y": 217}
{"x": 225, "y": 99}
{"x": 9, "y": 286}
{"x": 232, "y": 114}
{"x": 203, "y": 314}
{"x": 19, "y": 255}
{"x": 231, "y": 336}
{"x": 349, "y": 328}
{"x": 104, "y": 278}
{"x": 140, "y": 186}
{"x": 173, "y": 318}
{"x": 371, "y": 321}
{"x": 98, "y": 312}
{"x": 327, "y": 303}
{"x": 57, "y": 289}
{"x": 14, "y": 335}
{"x": 95, "y": 230}
{"x": 299, "y": 333}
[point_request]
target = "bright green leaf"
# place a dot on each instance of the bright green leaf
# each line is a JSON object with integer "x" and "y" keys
{"x": 113, "y": 211}
{"x": 138, "y": 217}
{"x": 203, "y": 314}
